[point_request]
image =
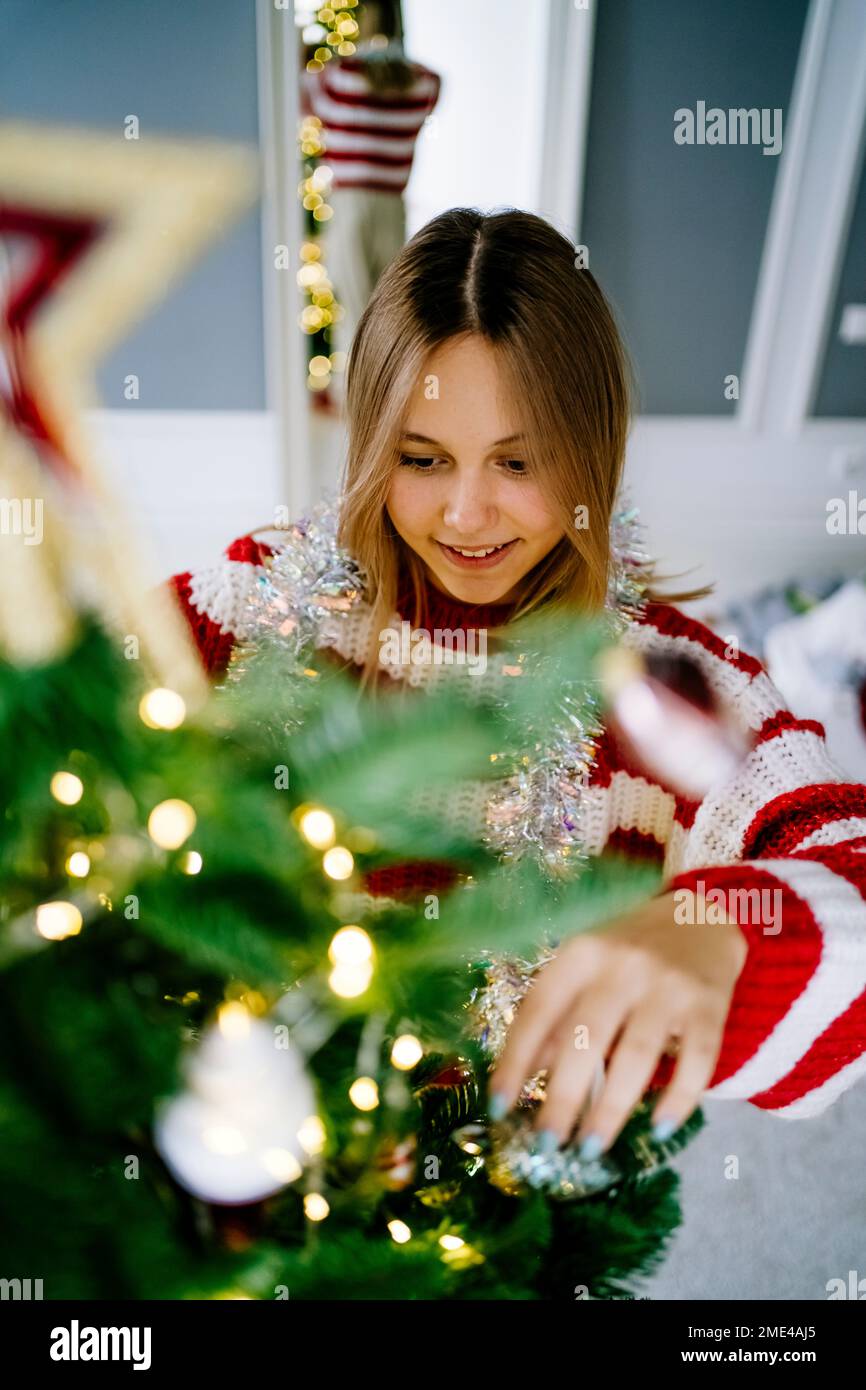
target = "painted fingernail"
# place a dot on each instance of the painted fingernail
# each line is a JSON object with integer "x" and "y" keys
{"x": 591, "y": 1147}
{"x": 497, "y": 1106}
{"x": 663, "y": 1129}
{"x": 546, "y": 1142}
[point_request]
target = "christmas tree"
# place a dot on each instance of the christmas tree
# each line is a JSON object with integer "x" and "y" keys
{"x": 219, "y": 1079}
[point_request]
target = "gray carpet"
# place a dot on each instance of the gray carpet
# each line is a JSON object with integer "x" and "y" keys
{"x": 793, "y": 1219}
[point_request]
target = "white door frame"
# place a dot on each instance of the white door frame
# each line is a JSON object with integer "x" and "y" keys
{"x": 569, "y": 44}
{"x": 809, "y": 221}
{"x": 285, "y": 346}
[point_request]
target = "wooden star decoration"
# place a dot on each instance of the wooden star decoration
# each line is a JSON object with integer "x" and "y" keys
{"x": 93, "y": 229}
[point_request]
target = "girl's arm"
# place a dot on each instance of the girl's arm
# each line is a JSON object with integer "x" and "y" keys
{"x": 753, "y": 959}
{"x": 782, "y": 849}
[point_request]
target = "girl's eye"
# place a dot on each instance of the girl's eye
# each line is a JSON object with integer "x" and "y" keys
{"x": 423, "y": 465}
{"x": 516, "y": 468}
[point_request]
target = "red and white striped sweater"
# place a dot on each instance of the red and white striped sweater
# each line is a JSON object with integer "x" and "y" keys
{"x": 795, "y": 1036}
{"x": 369, "y": 139}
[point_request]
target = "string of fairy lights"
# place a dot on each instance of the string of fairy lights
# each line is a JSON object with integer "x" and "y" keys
{"x": 351, "y": 963}
{"x": 333, "y": 31}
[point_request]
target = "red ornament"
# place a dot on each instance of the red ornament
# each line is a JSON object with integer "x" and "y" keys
{"x": 455, "y": 1072}
{"x": 665, "y": 716}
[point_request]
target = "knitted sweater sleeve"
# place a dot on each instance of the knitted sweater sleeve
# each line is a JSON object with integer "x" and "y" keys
{"x": 213, "y": 599}
{"x": 781, "y": 847}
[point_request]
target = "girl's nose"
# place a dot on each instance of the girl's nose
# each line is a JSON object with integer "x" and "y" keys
{"x": 470, "y": 510}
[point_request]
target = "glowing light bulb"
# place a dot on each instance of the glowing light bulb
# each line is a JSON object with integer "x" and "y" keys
{"x": 349, "y": 979}
{"x": 66, "y": 788}
{"x": 317, "y": 826}
{"x": 55, "y": 921}
{"x": 191, "y": 862}
{"x": 170, "y": 823}
{"x": 452, "y": 1242}
{"x": 315, "y": 1207}
{"x": 338, "y": 862}
{"x": 311, "y": 1135}
{"x": 78, "y": 864}
{"x": 350, "y": 946}
{"x": 364, "y": 1093}
{"x": 406, "y": 1052}
{"x": 162, "y": 709}
{"x": 399, "y": 1232}
{"x": 309, "y": 275}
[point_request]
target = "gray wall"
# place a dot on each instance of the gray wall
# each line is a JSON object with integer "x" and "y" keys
{"x": 675, "y": 232}
{"x": 182, "y": 67}
{"x": 842, "y": 389}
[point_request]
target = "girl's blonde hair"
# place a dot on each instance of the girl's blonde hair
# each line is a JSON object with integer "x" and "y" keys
{"x": 511, "y": 278}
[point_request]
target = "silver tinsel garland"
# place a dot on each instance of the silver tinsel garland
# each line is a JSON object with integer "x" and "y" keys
{"x": 308, "y": 579}
{"x": 538, "y": 809}
{"x": 310, "y": 583}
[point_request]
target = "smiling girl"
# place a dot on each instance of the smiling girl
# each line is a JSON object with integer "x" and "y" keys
{"x": 488, "y": 406}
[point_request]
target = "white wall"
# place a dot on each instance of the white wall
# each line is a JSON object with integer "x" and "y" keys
{"x": 191, "y": 481}
{"x": 744, "y": 510}
{"x": 482, "y": 145}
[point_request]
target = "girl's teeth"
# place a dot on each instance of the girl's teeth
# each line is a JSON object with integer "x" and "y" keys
{"x": 477, "y": 554}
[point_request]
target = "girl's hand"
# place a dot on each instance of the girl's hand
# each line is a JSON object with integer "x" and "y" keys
{"x": 620, "y": 993}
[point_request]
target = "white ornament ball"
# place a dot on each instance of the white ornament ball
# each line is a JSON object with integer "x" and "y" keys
{"x": 232, "y": 1135}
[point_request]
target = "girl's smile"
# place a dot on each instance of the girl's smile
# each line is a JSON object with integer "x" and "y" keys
{"x": 483, "y": 558}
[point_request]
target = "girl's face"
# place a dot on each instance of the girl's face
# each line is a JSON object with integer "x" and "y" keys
{"x": 462, "y": 496}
